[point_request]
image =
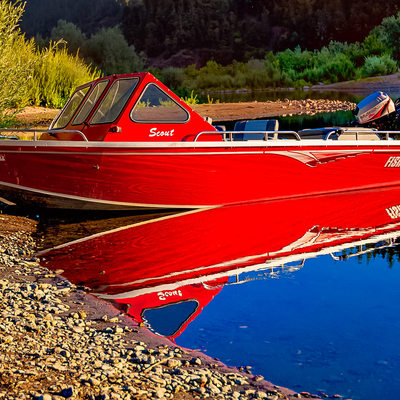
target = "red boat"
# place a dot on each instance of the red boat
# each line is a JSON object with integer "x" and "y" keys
{"x": 127, "y": 141}
{"x": 181, "y": 262}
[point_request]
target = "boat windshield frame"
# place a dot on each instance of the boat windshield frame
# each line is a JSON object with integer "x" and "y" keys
{"x": 67, "y": 107}
{"x": 121, "y": 106}
{"x": 87, "y": 112}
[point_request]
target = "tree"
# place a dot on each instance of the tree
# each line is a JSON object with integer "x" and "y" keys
{"x": 109, "y": 50}
{"x": 388, "y": 32}
{"x": 70, "y": 33}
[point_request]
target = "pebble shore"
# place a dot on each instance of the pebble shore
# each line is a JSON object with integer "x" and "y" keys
{"x": 58, "y": 342}
{"x": 252, "y": 110}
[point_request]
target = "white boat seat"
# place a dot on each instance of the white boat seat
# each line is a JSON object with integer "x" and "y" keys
{"x": 358, "y": 135}
{"x": 259, "y": 125}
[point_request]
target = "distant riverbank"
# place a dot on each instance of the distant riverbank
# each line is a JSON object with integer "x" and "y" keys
{"x": 384, "y": 83}
{"x": 42, "y": 117}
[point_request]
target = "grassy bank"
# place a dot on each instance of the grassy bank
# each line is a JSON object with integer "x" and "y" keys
{"x": 29, "y": 75}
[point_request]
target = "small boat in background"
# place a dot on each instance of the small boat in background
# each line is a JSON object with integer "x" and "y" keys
{"x": 128, "y": 142}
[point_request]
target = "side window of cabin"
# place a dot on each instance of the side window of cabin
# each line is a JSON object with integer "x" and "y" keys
{"x": 89, "y": 103}
{"x": 114, "y": 101}
{"x": 70, "y": 108}
{"x": 155, "y": 105}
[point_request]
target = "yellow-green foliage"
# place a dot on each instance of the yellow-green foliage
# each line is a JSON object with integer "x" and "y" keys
{"x": 192, "y": 100}
{"x": 30, "y": 76}
{"x": 16, "y": 61}
{"x": 56, "y": 74}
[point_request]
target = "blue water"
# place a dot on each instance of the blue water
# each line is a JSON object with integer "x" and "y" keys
{"x": 332, "y": 326}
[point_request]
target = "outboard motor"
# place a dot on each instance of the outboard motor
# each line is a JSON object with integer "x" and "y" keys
{"x": 376, "y": 106}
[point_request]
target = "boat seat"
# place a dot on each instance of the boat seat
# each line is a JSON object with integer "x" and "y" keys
{"x": 351, "y": 135}
{"x": 261, "y": 125}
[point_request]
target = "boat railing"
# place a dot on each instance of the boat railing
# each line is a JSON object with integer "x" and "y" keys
{"x": 391, "y": 242}
{"x": 36, "y": 131}
{"x": 264, "y": 135}
{"x": 361, "y": 134}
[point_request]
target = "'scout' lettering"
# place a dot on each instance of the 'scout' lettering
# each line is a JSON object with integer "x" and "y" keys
{"x": 166, "y": 294}
{"x": 154, "y": 132}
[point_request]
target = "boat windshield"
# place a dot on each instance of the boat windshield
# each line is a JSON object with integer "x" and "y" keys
{"x": 90, "y": 102}
{"x": 70, "y": 108}
{"x": 114, "y": 101}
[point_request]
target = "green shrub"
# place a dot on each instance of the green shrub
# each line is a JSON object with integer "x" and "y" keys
{"x": 110, "y": 52}
{"x": 375, "y": 66}
{"x": 70, "y": 33}
{"x": 173, "y": 77}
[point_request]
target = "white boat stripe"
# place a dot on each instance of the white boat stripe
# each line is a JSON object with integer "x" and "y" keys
{"x": 110, "y": 202}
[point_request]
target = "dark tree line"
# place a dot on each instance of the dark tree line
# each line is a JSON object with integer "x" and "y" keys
{"x": 240, "y": 29}
{"x": 180, "y": 32}
{"x": 41, "y": 16}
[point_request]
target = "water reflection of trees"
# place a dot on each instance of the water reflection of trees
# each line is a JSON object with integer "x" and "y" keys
{"x": 391, "y": 253}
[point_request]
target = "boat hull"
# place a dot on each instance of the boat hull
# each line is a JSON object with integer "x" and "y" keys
{"x": 116, "y": 176}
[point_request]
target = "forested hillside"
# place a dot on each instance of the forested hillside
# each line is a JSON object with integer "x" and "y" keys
{"x": 181, "y": 32}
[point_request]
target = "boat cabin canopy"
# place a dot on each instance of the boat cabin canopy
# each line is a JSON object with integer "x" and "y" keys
{"x": 129, "y": 107}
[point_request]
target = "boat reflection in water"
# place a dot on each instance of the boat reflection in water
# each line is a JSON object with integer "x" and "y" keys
{"x": 163, "y": 272}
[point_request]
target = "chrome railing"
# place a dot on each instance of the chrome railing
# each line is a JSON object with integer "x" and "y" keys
{"x": 264, "y": 135}
{"x": 35, "y": 132}
{"x": 360, "y": 134}
{"x": 361, "y": 251}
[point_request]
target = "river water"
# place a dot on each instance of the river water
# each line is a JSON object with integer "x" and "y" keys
{"x": 303, "y": 290}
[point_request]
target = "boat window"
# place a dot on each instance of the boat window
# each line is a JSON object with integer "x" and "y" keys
{"x": 168, "y": 319}
{"x": 155, "y": 105}
{"x": 69, "y": 109}
{"x": 89, "y": 103}
{"x": 114, "y": 101}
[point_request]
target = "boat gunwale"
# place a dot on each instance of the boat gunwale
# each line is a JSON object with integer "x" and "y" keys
{"x": 314, "y": 143}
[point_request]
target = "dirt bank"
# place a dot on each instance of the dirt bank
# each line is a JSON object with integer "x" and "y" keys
{"x": 383, "y": 83}
{"x": 268, "y": 109}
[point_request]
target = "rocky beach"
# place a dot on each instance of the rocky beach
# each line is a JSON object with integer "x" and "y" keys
{"x": 57, "y": 342}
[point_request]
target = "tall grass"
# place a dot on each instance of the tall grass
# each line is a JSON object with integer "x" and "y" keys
{"x": 56, "y": 74}
{"x": 16, "y": 63}
{"x": 32, "y": 76}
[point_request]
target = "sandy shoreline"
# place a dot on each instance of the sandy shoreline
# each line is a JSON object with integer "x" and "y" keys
{"x": 56, "y": 341}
